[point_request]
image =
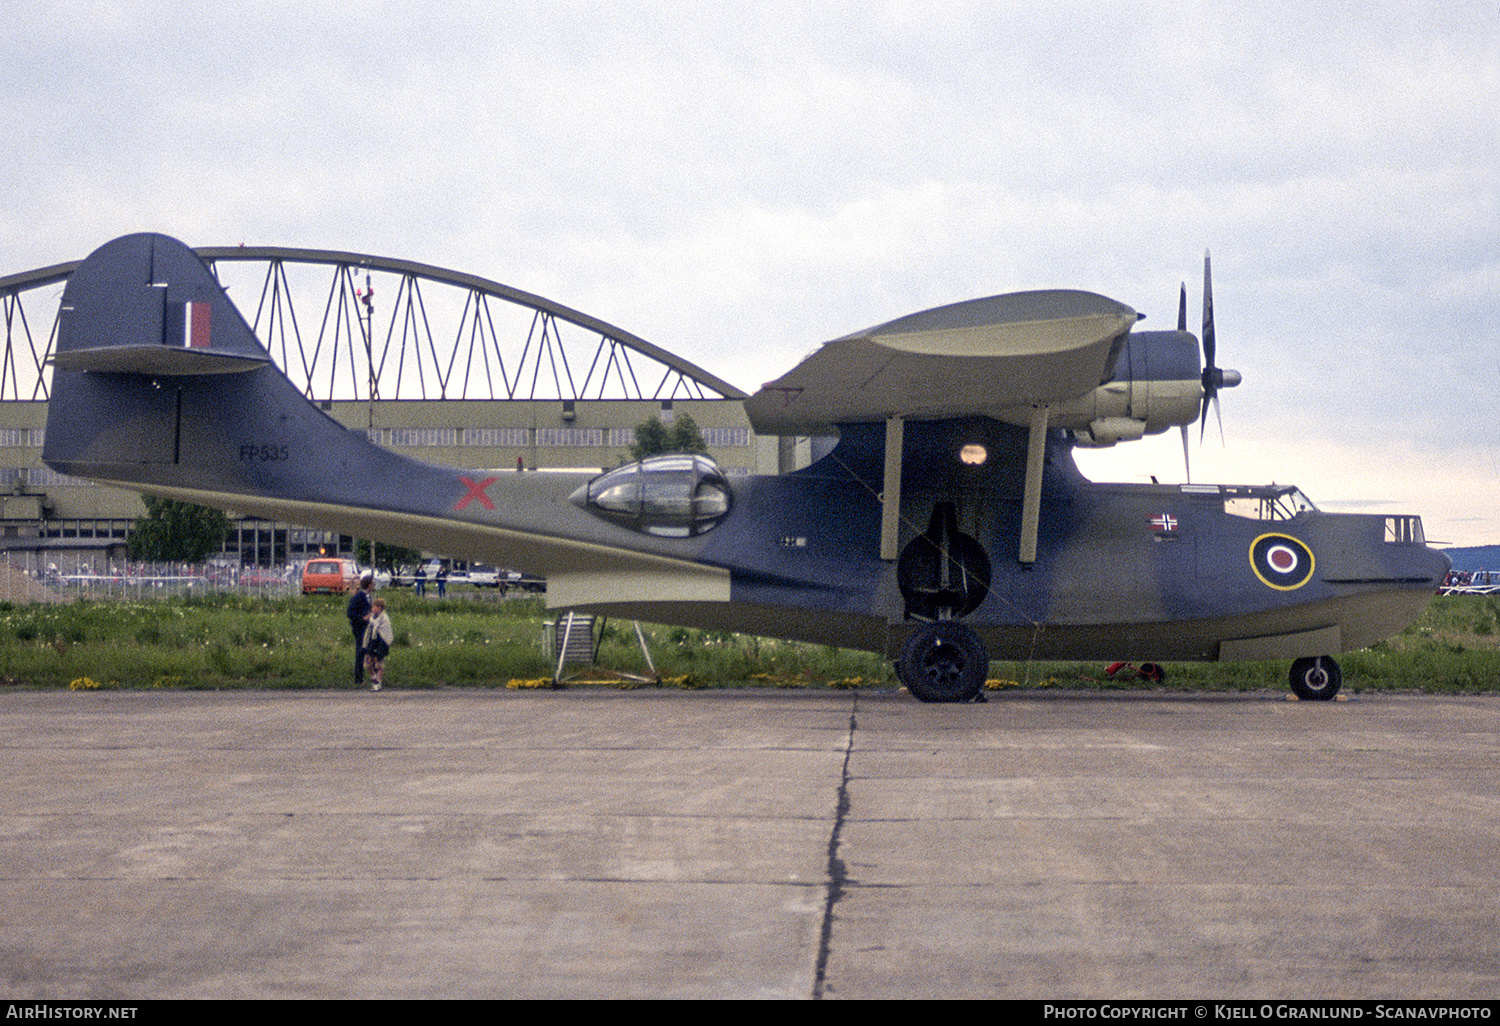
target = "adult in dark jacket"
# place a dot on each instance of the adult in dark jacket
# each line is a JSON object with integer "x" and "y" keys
{"x": 359, "y": 618}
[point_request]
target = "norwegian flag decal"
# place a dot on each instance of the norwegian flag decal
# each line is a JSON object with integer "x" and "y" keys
{"x": 1162, "y": 523}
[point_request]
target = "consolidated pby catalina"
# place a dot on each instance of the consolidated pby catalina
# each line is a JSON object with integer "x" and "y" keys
{"x": 947, "y": 525}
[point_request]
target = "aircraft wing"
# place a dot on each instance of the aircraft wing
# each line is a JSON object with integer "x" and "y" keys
{"x": 973, "y": 358}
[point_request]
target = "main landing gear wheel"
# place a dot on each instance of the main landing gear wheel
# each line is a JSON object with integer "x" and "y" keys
{"x": 1316, "y": 679}
{"x": 943, "y": 662}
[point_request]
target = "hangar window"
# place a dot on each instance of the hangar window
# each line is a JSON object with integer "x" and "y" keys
{"x": 418, "y": 437}
{"x": 668, "y": 496}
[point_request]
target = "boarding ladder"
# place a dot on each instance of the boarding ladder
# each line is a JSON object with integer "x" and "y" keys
{"x": 574, "y": 642}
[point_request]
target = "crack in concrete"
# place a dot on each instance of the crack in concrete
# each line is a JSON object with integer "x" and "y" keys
{"x": 836, "y": 870}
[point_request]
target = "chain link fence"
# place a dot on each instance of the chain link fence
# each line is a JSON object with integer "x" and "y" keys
{"x": 62, "y": 577}
{"x": 53, "y": 577}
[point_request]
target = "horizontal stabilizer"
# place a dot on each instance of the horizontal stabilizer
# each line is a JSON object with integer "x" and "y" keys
{"x": 156, "y": 360}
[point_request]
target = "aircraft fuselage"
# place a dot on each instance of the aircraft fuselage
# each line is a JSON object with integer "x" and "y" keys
{"x": 1126, "y": 571}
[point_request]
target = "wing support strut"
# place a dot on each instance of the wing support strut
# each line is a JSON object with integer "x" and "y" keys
{"x": 1031, "y": 503}
{"x": 890, "y": 510}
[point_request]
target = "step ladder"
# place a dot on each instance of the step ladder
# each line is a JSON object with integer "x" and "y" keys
{"x": 574, "y": 643}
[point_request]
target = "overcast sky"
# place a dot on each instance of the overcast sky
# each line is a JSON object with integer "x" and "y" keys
{"x": 738, "y": 183}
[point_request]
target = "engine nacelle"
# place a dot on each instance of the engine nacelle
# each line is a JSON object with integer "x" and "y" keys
{"x": 1107, "y": 431}
{"x": 1156, "y": 385}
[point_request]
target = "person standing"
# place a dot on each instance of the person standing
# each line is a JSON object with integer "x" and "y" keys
{"x": 378, "y": 638}
{"x": 358, "y": 611}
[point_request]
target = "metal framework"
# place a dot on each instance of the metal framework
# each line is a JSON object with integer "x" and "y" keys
{"x": 447, "y": 335}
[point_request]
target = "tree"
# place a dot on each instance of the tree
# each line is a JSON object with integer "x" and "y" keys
{"x": 387, "y": 557}
{"x": 177, "y": 532}
{"x": 653, "y": 438}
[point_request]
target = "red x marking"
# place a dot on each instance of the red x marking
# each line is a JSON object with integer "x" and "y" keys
{"x": 476, "y": 493}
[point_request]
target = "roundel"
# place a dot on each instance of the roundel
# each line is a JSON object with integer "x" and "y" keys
{"x": 1281, "y": 561}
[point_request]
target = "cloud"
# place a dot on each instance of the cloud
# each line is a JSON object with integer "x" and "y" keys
{"x": 739, "y": 184}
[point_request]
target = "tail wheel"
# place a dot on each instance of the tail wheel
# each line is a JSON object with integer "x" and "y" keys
{"x": 1316, "y": 679}
{"x": 944, "y": 662}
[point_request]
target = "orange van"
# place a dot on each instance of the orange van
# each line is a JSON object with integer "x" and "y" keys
{"x": 332, "y": 576}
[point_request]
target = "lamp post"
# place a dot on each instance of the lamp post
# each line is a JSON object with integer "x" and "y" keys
{"x": 368, "y": 296}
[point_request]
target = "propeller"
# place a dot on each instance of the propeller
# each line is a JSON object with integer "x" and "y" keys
{"x": 1214, "y": 378}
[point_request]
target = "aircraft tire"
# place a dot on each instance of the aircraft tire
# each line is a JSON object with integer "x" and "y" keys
{"x": 1316, "y": 679}
{"x": 943, "y": 662}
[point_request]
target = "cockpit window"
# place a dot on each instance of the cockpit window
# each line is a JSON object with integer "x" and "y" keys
{"x": 668, "y": 496}
{"x": 1259, "y": 502}
{"x": 1404, "y": 531}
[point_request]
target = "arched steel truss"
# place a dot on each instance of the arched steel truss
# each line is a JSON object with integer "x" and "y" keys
{"x": 443, "y": 335}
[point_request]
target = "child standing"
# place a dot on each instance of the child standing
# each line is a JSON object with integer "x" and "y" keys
{"x": 378, "y": 638}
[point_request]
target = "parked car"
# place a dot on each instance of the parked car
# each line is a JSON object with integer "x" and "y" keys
{"x": 261, "y": 577}
{"x": 482, "y": 575}
{"x": 330, "y": 576}
{"x": 408, "y": 575}
{"x": 525, "y": 582}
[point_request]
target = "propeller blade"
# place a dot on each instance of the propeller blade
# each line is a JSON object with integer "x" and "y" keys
{"x": 1187, "y": 464}
{"x": 1182, "y": 308}
{"x": 1208, "y": 313}
{"x": 1210, "y": 369}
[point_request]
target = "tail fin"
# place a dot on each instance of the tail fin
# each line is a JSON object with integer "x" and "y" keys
{"x": 137, "y": 306}
{"x": 160, "y": 385}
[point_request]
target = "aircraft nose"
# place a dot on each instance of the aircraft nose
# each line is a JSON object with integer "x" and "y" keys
{"x": 1424, "y": 567}
{"x": 1441, "y": 563}
{"x": 1384, "y": 551}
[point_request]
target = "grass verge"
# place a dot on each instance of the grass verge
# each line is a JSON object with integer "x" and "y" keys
{"x": 229, "y": 641}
